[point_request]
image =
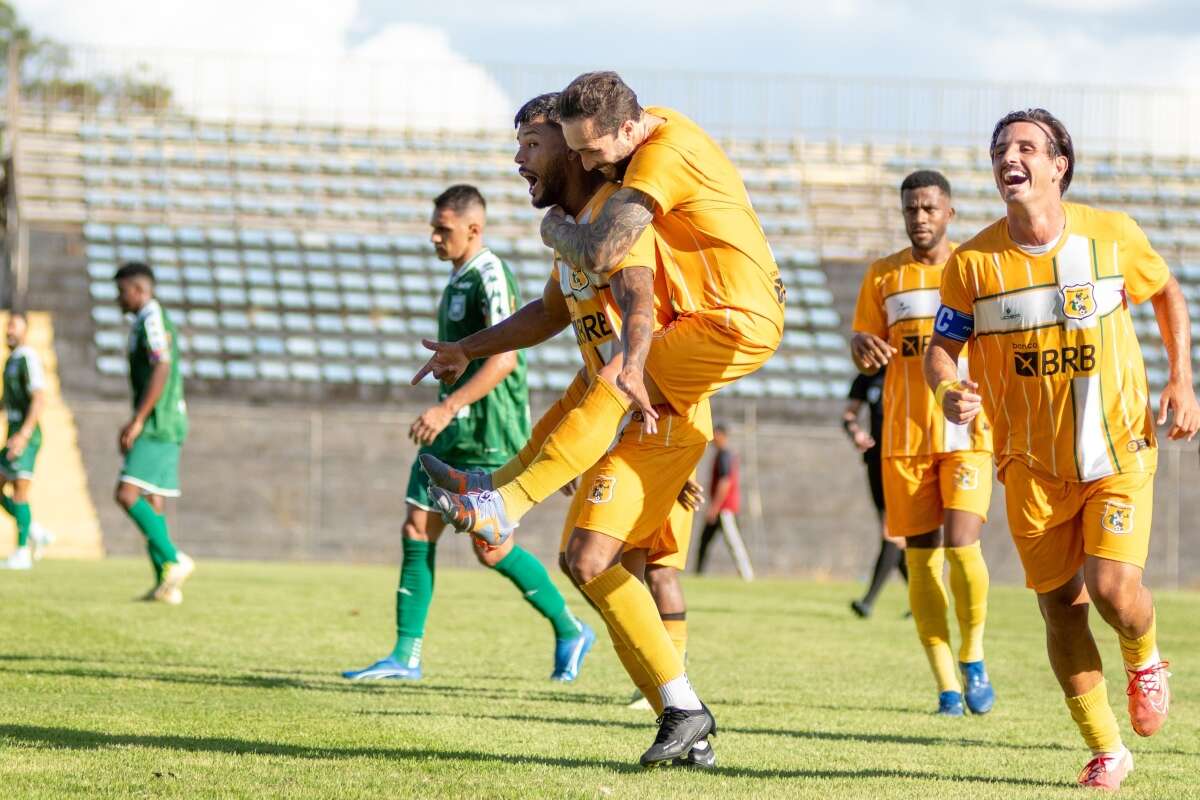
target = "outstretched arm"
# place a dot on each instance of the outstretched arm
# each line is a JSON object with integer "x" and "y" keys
{"x": 600, "y": 245}
{"x": 633, "y": 289}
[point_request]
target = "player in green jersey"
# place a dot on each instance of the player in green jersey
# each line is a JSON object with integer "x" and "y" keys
{"x": 23, "y": 384}
{"x": 152, "y": 440}
{"x": 479, "y": 422}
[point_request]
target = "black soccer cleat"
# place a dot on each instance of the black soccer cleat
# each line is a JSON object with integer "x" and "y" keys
{"x": 860, "y": 608}
{"x": 701, "y": 756}
{"x": 678, "y": 732}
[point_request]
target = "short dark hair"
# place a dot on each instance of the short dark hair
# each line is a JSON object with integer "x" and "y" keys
{"x": 720, "y": 427}
{"x": 134, "y": 269}
{"x": 923, "y": 178}
{"x": 459, "y": 198}
{"x": 15, "y": 313}
{"x": 603, "y": 98}
{"x": 1056, "y": 133}
{"x": 544, "y": 106}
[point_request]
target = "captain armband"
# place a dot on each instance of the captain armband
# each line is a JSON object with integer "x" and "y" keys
{"x": 953, "y": 324}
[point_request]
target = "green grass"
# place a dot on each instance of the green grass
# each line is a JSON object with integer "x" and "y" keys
{"x": 237, "y": 694}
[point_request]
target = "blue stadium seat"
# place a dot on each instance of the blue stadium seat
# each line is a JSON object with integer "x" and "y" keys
{"x": 169, "y": 294}
{"x": 387, "y": 302}
{"x": 261, "y": 296}
{"x": 283, "y": 239}
{"x": 273, "y": 370}
{"x": 238, "y": 345}
{"x": 364, "y": 349}
{"x": 107, "y": 315}
{"x": 296, "y": 321}
{"x": 392, "y": 325}
{"x": 265, "y": 320}
{"x": 304, "y": 371}
{"x": 110, "y": 340}
{"x": 301, "y": 346}
{"x": 326, "y": 300}
{"x": 356, "y": 301}
{"x": 333, "y": 348}
{"x": 103, "y": 290}
{"x": 330, "y": 323}
{"x": 234, "y": 320}
{"x": 231, "y": 296}
{"x": 269, "y": 345}
{"x": 112, "y": 365}
{"x": 369, "y": 373}
{"x": 241, "y": 370}
{"x": 321, "y": 280}
{"x": 209, "y": 369}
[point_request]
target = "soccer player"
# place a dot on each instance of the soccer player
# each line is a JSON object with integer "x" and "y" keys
{"x": 937, "y": 477}
{"x": 479, "y": 422}
{"x": 616, "y": 524}
{"x": 724, "y": 502}
{"x": 868, "y": 390}
{"x": 1042, "y": 296}
{"x": 23, "y": 401}
{"x": 152, "y": 440}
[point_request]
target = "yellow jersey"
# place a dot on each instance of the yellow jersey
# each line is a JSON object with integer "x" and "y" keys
{"x": 897, "y": 302}
{"x": 717, "y": 260}
{"x": 1053, "y": 344}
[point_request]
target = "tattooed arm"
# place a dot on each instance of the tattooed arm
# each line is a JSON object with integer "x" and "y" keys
{"x": 598, "y": 246}
{"x": 633, "y": 289}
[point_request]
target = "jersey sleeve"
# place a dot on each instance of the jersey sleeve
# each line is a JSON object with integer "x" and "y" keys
{"x": 661, "y": 172}
{"x": 859, "y": 387}
{"x": 158, "y": 340}
{"x": 956, "y": 317}
{"x": 869, "y": 314}
{"x": 1144, "y": 270}
{"x": 497, "y": 298}
{"x": 35, "y": 376}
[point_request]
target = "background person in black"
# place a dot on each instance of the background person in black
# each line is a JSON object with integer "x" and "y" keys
{"x": 868, "y": 390}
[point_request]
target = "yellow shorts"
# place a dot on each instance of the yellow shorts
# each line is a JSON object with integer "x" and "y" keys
{"x": 917, "y": 489}
{"x": 631, "y": 493}
{"x": 1055, "y": 524}
{"x": 693, "y": 357}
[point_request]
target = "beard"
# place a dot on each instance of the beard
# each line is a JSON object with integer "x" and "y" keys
{"x": 552, "y": 184}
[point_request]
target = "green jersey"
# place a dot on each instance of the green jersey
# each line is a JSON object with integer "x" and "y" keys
{"x": 153, "y": 341}
{"x": 22, "y": 377}
{"x": 491, "y": 430}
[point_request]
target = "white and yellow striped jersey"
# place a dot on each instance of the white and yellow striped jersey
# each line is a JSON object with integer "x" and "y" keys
{"x": 1052, "y": 342}
{"x": 897, "y": 302}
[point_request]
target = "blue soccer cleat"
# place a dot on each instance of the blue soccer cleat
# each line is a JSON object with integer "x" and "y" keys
{"x": 385, "y": 669}
{"x": 978, "y": 691}
{"x": 950, "y": 704}
{"x": 569, "y": 654}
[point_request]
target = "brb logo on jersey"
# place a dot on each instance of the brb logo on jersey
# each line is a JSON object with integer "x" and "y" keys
{"x": 1078, "y": 301}
{"x": 1031, "y": 362}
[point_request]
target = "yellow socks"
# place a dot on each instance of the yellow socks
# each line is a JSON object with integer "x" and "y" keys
{"x": 677, "y": 630}
{"x": 541, "y": 430}
{"x": 1095, "y": 719}
{"x": 627, "y": 607}
{"x": 1141, "y": 652}
{"x": 969, "y": 585}
{"x": 641, "y": 679}
{"x": 927, "y": 597}
{"x": 571, "y": 449}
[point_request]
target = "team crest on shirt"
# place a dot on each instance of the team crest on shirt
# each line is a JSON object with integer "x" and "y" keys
{"x": 602, "y": 489}
{"x": 458, "y": 307}
{"x": 1117, "y": 517}
{"x": 1079, "y": 301}
{"x": 966, "y": 477}
{"x": 577, "y": 280}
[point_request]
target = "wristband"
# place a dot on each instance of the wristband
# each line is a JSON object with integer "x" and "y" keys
{"x": 939, "y": 394}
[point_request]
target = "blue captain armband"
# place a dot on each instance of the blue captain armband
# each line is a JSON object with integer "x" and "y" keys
{"x": 953, "y": 324}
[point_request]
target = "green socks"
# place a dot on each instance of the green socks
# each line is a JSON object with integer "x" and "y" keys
{"x": 154, "y": 527}
{"x": 528, "y": 575}
{"x": 413, "y": 596}
{"x": 19, "y": 512}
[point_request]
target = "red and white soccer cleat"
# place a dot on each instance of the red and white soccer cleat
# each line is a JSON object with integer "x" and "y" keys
{"x": 1149, "y": 698}
{"x": 1107, "y": 770}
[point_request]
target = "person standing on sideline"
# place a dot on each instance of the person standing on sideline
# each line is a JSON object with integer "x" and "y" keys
{"x": 725, "y": 500}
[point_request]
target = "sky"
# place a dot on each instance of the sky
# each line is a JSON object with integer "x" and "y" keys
{"x": 355, "y": 60}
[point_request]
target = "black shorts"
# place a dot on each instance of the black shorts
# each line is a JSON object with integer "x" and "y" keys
{"x": 875, "y": 478}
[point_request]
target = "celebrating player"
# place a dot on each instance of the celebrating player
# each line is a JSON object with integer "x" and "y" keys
{"x": 937, "y": 477}
{"x": 153, "y": 439}
{"x": 23, "y": 400}
{"x": 1042, "y": 296}
{"x": 479, "y": 422}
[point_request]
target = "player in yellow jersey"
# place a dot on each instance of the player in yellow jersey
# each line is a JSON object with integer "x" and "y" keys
{"x": 1042, "y": 296}
{"x": 625, "y": 521}
{"x": 937, "y": 477}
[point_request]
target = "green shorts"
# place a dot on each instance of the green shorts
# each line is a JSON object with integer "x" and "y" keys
{"x": 152, "y": 465}
{"x": 20, "y": 468}
{"x": 417, "y": 493}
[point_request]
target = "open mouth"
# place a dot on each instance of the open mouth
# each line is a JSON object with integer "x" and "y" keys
{"x": 532, "y": 179}
{"x": 1014, "y": 178}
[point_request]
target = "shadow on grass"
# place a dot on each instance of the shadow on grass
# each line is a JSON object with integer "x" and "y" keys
{"x": 75, "y": 739}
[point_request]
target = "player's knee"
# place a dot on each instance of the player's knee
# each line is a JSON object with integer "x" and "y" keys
{"x": 564, "y": 567}
{"x": 414, "y": 531}
{"x": 585, "y": 566}
{"x": 126, "y": 495}
{"x": 1062, "y": 612}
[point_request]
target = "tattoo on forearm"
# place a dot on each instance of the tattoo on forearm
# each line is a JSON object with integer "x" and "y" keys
{"x": 633, "y": 289}
{"x": 600, "y": 245}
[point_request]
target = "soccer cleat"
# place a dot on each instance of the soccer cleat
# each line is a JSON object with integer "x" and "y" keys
{"x": 701, "y": 756}
{"x": 459, "y": 481}
{"x": 977, "y": 688}
{"x": 41, "y": 538}
{"x": 1107, "y": 770}
{"x": 386, "y": 668}
{"x": 569, "y": 654}
{"x": 1149, "y": 698}
{"x": 173, "y": 576}
{"x": 171, "y": 597}
{"x": 638, "y": 701}
{"x": 20, "y": 558}
{"x": 481, "y": 515}
{"x": 860, "y": 608}
{"x": 950, "y": 704}
{"x": 678, "y": 732}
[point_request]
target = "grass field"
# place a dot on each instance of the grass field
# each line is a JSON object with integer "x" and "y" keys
{"x": 237, "y": 694}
